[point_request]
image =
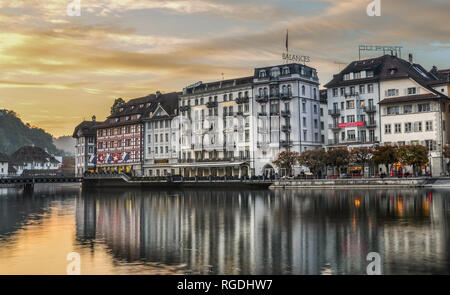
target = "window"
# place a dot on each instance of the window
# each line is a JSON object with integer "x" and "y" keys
{"x": 262, "y": 74}
{"x": 407, "y": 109}
{"x": 303, "y": 90}
{"x": 350, "y": 118}
{"x": 335, "y": 92}
{"x": 369, "y": 74}
{"x": 362, "y": 89}
{"x": 304, "y": 122}
{"x": 351, "y": 134}
{"x": 395, "y": 110}
{"x": 342, "y": 91}
{"x": 417, "y": 126}
{"x": 397, "y": 128}
{"x": 408, "y": 127}
{"x": 424, "y": 108}
{"x": 429, "y": 125}
{"x": 387, "y": 128}
{"x": 370, "y": 88}
{"x": 391, "y": 92}
{"x": 350, "y": 104}
{"x": 412, "y": 90}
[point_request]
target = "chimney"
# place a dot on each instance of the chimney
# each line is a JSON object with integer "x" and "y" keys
{"x": 410, "y": 58}
{"x": 158, "y": 94}
{"x": 94, "y": 118}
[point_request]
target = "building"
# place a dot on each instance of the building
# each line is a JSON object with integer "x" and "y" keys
{"x": 86, "y": 146}
{"x": 31, "y": 160}
{"x": 4, "y": 159}
{"x": 162, "y": 136}
{"x": 120, "y": 139}
{"x": 287, "y": 107}
{"x": 216, "y": 129}
{"x": 353, "y": 97}
{"x": 415, "y": 110}
{"x": 324, "y": 116}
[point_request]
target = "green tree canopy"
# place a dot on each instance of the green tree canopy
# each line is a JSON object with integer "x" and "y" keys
{"x": 313, "y": 159}
{"x": 413, "y": 155}
{"x": 286, "y": 160}
{"x": 338, "y": 158}
{"x": 118, "y": 102}
{"x": 385, "y": 154}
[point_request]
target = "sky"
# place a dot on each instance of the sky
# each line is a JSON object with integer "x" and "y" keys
{"x": 57, "y": 70}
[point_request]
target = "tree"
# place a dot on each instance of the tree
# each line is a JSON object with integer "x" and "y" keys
{"x": 118, "y": 102}
{"x": 447, "y": 151}
{"x": 361, "y": 156}
{"x": 413, "y": 155}
{"x": 386, "y": 155}
{"x": 313, "y": 159}
{"x": 286, "y": 160}
{"x": 338, "y": 158}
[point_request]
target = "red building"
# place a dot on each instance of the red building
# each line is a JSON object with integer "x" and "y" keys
{"x": 120, "y": 138}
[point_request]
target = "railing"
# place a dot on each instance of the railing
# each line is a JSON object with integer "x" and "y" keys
{"x": 370, "y": 124}
{"x": 286, "y": 143}
{"x": 286, "y": 96}
{"x": 352, "y": 140}
{"x": 334, "y": 112}
{"x": 370, "y": 109}
{"x": 285, "y": 113}
{"x": 262, "y": 98}
{"x": 286, "y": 128}
{"x": 333, "y": 126}
{"x": 242, "y": 100}
{"x": 185, "y": 108}
{"x": 262, "y": 114}
{"x": 211, "y": 104}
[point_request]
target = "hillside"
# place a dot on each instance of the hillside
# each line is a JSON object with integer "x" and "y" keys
{"x": 66, "y": 144}
{"x": 15, "y": 134}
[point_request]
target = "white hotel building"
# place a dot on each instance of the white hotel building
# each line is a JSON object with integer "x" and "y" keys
{"x": 238, "y": 127}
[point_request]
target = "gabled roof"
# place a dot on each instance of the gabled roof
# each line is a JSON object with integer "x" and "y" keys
{"x": 85, "y": 128}
{"x": 29, "y": 154}
{"x": 386, "y": 67}
{"x": 142, "y": 106}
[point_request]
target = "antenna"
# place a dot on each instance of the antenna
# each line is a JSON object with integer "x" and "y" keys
{"x": 223, "y": 76}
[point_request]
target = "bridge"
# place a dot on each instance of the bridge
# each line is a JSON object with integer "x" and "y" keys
{"x": 28, "y": 182}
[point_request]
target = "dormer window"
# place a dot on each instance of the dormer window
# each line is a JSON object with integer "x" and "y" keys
{"x": 262, "y": 74}
{"x": 141, "y": 106}
{"x": 286, "y": 71}
{"x": 127, "y": 118}
{"x": 369, "y": 74}
{"x": 139, "y": 116}
{"x": 117, "y": 120}
{"x": 121, "y": 110}
{"x": 275, "y": 73}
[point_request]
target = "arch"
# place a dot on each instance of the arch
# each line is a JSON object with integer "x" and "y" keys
{"x": 268, "y": 170}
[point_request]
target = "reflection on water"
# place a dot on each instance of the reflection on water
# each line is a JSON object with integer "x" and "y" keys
{"x": 225, "y": 232}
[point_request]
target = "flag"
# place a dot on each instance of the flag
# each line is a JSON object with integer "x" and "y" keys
{"x": 287, "y": 40}
{"x": 126, "y": 158}
{"x": 101, "y": 158}
{"x": 109, "y": 159}
{"x": 116, "y": 158}
{"x": 93, "y": 159}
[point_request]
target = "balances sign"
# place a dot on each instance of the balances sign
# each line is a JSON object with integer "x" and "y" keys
{"x": 352, "y": 124}
{"x": 296, "y": 58}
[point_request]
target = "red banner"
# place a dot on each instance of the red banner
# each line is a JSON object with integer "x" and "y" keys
{"x": 352, "y": 124}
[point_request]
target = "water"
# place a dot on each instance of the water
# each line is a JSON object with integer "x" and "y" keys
{"x": 224, "y": 232}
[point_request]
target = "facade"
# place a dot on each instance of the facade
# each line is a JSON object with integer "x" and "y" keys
{"x": 388, "y": 100}
{"x": 415, "y": 112}
{"x": 31, "y": 160}
{"x": 287, "y": 107}
{"x": 353, "y": 110}
{"x": 162, "y": 137}
{"x": 324, "y": 116}
{"x": 86, "y": 147}
{"x": 216, "y": 129}
{"x": 4, "y": 159}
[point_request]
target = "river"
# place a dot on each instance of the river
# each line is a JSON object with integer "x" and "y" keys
{"x": 220, "y": 231}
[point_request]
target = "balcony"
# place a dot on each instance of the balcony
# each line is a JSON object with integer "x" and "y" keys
{"x": 333, "y": 126}
{"x": 334, "y": 112}
{"x": 351, "y": 94}
{"x": 286, "y": 143}
{"x": 370, "y": 109}
{"x": 211, "y": 104}
{"x": 262, "y": 98}
{"x": 286, "y": 96}
{"x": 286, "y": 128}
{"x": 242, "y": 100}
{"x": 274, "y": 113}
{"x": 239, "y": 113}
{"x": 185, "y": 108}
{"x": 275, "y": 96}
{"x": 370, "y": 124}
{"x": 262, "y": 114}
{"x": 285, "y": 114}
{"x": 355, "y": 140}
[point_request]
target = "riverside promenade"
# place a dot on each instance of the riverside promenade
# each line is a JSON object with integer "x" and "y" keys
{"x": 389, "y": 182}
